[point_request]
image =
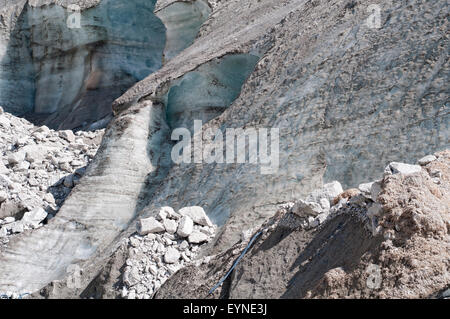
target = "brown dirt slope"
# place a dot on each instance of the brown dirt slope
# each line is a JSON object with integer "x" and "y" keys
{"x": 408, "y": 256}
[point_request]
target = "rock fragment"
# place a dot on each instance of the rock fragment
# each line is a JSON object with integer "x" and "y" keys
{"x": 67, "y": 135}
{"x": 170, "y": 226}
{"x": 172, "y": 255}
{"x": 185, "y": 226}
{"x": 402, "y": 168}
{"x": 427, "y": 160}
{"x": 150, "y": 225}
{"x": 197, "y": 237}
{"x": 197, "y": 214}
{"x": 328, "y": 191}
{"x": 33, "y": 218}
{"x": 303, "y": 208}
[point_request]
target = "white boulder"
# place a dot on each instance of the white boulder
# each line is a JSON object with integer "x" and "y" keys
{"x": 9, "y": 220}
{"x": 185, "y": 226}
{"x": 16, "y": 158}
{"x": 365, "y": 188}
{"x": 401, "y": 168}
{"x": 150, "y": 225}
{"x": 170, "y": 226}
{"x": 131, "y": 276}
{"x": 49, "y": 198}
{"x": 33, "y": 218}
{"x": 16, "y": 227}
{"x": 172, "y": 255}
{"x": 329, "y": 191}
{"x": 197, "y": 214}
{"x": 197, "y": 237}
{"x": 169, "y": 212}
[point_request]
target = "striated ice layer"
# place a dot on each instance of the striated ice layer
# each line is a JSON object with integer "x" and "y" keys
{"x": 68, "y": 66}
{"x": 182, "y": 20}
{"x": 64, "y": 67}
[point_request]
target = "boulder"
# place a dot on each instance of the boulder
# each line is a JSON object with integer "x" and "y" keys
{"x": 49, "y": 198}
{"x": 44, "y": 130}
{"x": 169, "y": 212}
{"x": 67, "y": 135}
{"x": 197, "y": 237}
{"x": 303, "y": 208}
{"x": 35, "y": 153}
{"x": 150, "y": 225}
{"x": 328, "y": 191}
{"x": 427, "y": 160}
{"x": 185, "y": 226}
{"x": 162, "y": 215}
{"x": 9, "y": 220}
{"x": 197, "y": 214}
{"x": 33, "y": 218}
{"x": 365, "y": 188}
{"x": 170, "y": 226}
{"x": 172, "y": 255}
{"x": 68, "y": 181}
{"x": 16, "y": 227}
{"x": 16, "y": 158}
{"x": 401, "y": 168}
{"x": 22, "y": 166}
{"x": 11, "y": 208}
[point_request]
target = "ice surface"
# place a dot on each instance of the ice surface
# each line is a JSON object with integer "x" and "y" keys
{"x": 206, "y": 92}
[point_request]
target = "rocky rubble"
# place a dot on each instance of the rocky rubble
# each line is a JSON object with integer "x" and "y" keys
{"x": 325, "y": 203}
{"x": 162, "y": 246}
{"x": 386, "y": 239}
{"x": 38, "y": 169}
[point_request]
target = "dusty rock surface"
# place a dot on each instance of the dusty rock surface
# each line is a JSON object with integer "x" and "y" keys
{"x": 39, "y": 167}
{"x": 144, "y": 260}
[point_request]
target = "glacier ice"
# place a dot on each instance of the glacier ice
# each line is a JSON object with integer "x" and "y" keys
{"x": 207, "y": 91}
{"x": 182, "y": 20}
{"x": 67, "y": 77}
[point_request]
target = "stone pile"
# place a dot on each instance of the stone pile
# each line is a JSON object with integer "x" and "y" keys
{"x": 317, "y": 207}
{"x": 163, "y": 245}
{"x": 329, "y": 201}
{"x": 38, "y": 169}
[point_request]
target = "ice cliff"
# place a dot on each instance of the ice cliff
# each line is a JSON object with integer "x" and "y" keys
{"x": 347, "y": 97}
